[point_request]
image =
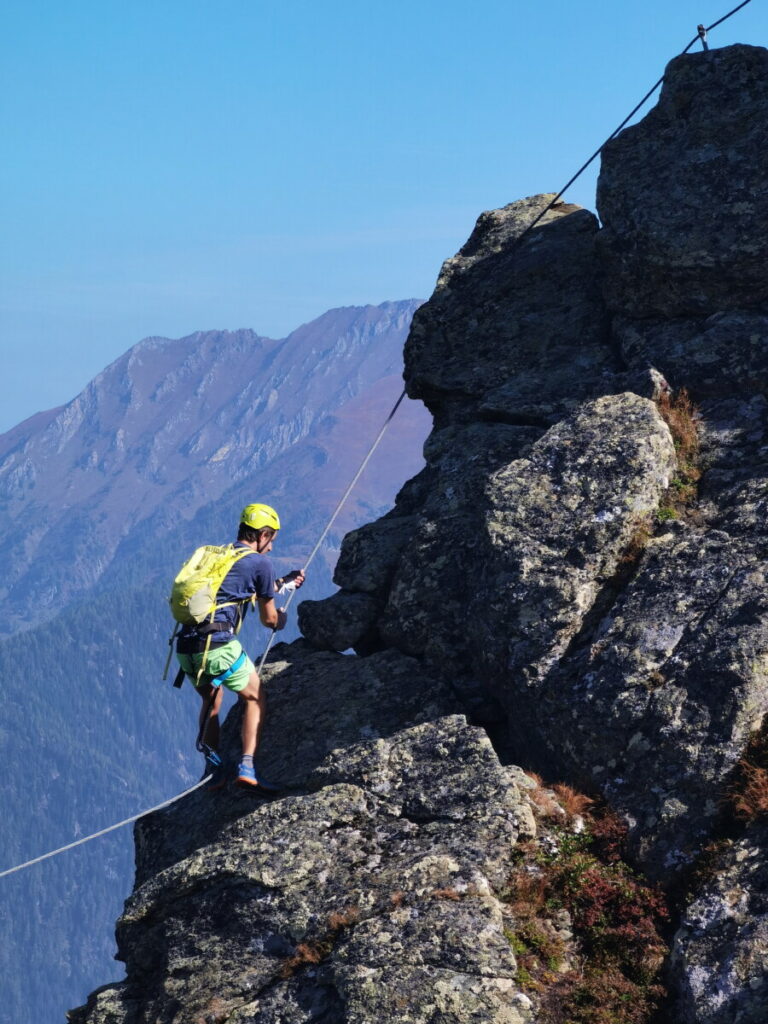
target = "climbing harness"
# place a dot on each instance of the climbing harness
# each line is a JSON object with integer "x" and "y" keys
{"x": 193, "y": 597}
{"x": 219, "y": 679}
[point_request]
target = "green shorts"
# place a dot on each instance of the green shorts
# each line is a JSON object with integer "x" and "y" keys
{"x": 218, "y": 661}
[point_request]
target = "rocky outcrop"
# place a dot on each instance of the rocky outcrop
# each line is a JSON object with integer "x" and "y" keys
{"x": 511, "y": 323}
{"x": 502, "y": 577}
{"x": 622, "y": 649}
{"x": 718, "y": 355}
{"x": 679, "y": 196}
{"x": 346, "y": 620}
{"x": 553, "y": 576}
{"x": 665, "y": 697}
{"x": 369, "y": 891}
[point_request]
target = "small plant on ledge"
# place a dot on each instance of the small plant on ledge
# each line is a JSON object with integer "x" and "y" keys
{"x": 683, "y": 419}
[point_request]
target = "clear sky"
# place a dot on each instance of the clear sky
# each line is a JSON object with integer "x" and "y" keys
{"x": 172, "y": 166}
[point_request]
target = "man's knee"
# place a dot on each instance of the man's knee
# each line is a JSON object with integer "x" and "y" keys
{"x": 252, "y": 690}
{"x": 205, "y": 693}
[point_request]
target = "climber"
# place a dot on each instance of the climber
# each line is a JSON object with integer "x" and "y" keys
{"x": 224, "y": 662}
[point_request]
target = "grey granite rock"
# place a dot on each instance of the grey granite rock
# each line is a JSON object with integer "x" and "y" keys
{"x": 681, "y": 194}
{"x": 720, "y": 953}
{"x": 721, "y": 355}
{"x": 734, "y": 489}
{"x": 660, "y": 699}
{"x": 502, "y": 582}
{"x": 460, "y": 458}
{"x": 317, "y": 702}
{"x": 369, "y": 556}
{"x": 504, "y": 310}
{"x": 341, "y": 904}
{"x": 545, "y": 402}
{"x": 341, "y": 622}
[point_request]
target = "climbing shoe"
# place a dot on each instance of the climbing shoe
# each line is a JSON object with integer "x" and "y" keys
{"x": 267, "y": 787}
{"x": 248, "y": 779}
{"x": 215, "y": 769}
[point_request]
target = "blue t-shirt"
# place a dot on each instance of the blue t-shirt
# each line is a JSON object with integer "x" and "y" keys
{"x": 250, "y": 575}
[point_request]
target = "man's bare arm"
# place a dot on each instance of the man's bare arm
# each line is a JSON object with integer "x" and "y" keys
{"x": 271, "y": 617}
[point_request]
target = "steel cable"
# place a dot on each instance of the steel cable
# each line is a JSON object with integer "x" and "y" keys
{"x": 616, "y": 131}
{"x": 103, "y": 832}
{"x": 336, "y": 511}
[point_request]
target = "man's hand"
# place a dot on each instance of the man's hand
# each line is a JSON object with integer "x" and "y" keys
{"x": 282, "y": 618}
{"x": 292, "y": 581}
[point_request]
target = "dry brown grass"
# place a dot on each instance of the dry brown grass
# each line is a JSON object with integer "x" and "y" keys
{"x": 528, "y": 894}
{"x": 314, "y": 951}
{"x": 683, "y": 419}
{"x": 636, "y": 544}
{"x": 572, "y": 802}
{"x": 343, "y": 919}
{"x": 542, "y": 797}
{"x": 304, "y": 954}
{"x": 446, "y": 894}
{"x": 750, "y": 798}
{"x": 559, "y": 801}
{"x": 216, "y": 1012}
{"x": 748, "y": 792}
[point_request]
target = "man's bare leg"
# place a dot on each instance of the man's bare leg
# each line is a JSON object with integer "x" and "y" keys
{"x": 254, "y": 700}
{"x": 252, "y": 697}
{"x": 211, "y": 735}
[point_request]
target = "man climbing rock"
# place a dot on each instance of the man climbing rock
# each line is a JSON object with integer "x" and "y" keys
{"x": 214, "y": 647}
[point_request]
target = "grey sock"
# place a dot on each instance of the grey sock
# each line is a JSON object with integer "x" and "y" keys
{"x": 247, "y": 760}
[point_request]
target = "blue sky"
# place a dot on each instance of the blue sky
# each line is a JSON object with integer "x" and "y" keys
{"x": 177, "y": 166}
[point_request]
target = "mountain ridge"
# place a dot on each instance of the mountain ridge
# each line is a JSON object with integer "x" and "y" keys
{"x": 169, "y": 423}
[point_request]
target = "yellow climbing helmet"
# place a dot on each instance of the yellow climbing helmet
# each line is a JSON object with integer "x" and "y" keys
{"x": 260, "y": 516}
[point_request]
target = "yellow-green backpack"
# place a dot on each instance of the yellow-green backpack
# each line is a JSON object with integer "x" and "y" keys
{"x": 193, "y": 595}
